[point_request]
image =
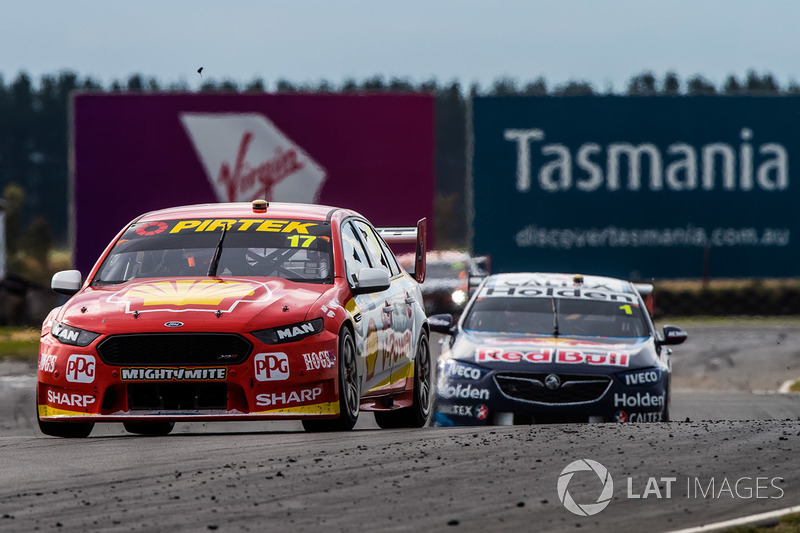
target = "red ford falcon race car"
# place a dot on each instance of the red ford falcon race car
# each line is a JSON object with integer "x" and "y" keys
{"x": 239, "y": 312}
{"x": 553, "y": 348}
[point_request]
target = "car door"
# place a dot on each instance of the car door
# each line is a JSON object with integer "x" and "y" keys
{"x": 369, "y": 329}
{"x": 391, "y": 337}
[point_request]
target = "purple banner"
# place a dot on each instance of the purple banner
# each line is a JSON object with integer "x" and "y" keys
{"x": 373, "y": 153}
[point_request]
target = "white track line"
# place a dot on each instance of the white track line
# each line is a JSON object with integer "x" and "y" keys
{"x": 752, "y": 520}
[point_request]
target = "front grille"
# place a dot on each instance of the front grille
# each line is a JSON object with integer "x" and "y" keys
{"x": 177, "y": 396}
{"x": 168, "y": 349}
{"x": 573, "y": 389}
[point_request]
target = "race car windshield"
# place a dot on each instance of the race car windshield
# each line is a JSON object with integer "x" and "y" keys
{"x": 575, "y": 317}
{"x": 292, "y": 250}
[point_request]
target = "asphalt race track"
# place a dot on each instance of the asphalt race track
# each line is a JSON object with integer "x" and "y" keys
{"x": 733, "y": 453}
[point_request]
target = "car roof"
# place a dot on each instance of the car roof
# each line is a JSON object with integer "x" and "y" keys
{"x": 545, "y": 279}
{"x": 243, "y": 210}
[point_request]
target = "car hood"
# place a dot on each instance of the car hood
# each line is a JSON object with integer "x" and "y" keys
{"x": 549, "y": 354}
{"x": 191, "y": 304}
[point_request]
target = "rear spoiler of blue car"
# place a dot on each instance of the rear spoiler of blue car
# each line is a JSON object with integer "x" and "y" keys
{"x": 646, "y": 290}
{"x": 410, "y": 234}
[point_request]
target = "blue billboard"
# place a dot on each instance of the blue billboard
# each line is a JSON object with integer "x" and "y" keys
{"x": 637, "y": 187}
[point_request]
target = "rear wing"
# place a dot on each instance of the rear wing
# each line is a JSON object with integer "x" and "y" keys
{"x": 410, "y": 234}
{"x": 646, "y": 290}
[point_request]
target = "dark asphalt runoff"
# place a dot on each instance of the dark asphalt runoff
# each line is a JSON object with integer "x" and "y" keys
{"x": 732, "y": 452}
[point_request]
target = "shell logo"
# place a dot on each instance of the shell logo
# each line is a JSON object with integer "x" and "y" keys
{"x": 190, "y": 295}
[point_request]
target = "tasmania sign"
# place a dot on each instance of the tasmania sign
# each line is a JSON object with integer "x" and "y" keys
{"x": 637, "y": 187}
{"x": 134, "y": 153}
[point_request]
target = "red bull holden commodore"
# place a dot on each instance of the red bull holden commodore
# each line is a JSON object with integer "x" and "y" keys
{"x": 239, "y": 312}
{"x": 534, "y": 348}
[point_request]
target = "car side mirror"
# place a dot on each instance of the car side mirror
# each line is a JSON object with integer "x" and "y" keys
{"x": 66, "y": 282}
{"x": 442, "y": 323}
{"x": 673, "y": 335}
{"x": 372, "y": 280}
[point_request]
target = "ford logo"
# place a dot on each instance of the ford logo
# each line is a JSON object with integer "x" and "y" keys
{"x": 173, "y": 324}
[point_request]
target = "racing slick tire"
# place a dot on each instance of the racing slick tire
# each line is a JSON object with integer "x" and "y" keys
{"x": 151, "y": 429}
{"x": 68, "y": 430}
{"x": 665, "y": 416}
{"x": 418, "y": 414}
{"x": 349, "y": 394}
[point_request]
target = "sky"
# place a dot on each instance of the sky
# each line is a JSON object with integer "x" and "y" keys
{"x": 603, "y": 42}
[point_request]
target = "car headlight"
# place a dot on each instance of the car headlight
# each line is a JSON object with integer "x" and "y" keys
{"x": 72, "y": 336}
{"x": 459, "y": 297}
{"x": 290, "y": 332}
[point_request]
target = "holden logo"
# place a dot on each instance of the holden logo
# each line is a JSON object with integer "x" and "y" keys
{"x": 173, "y": 324}
{"x": 552, "y": 382}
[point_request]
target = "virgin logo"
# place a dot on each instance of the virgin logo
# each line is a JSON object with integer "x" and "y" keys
{"x": 263, "y": 177}
{"x": 245, "y": 157}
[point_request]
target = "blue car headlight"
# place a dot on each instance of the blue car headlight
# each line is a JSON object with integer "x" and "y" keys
{"x": 72, "y": 336}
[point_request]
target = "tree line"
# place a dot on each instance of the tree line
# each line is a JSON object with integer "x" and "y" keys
{"x": 34, "y": 135}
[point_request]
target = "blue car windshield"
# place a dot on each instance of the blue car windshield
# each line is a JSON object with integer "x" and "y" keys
{"x": 572, "y": 317}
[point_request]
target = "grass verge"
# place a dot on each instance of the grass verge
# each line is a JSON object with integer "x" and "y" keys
{"x": 19, "y": 343}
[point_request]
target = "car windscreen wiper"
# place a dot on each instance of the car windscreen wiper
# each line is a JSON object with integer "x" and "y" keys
{"x": 555, "y": 316}
{"x": 212, "y": 268}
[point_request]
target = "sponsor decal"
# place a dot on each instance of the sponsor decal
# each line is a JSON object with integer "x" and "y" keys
{"x": 69, "y": 399}
{"x": 174, "y": 324}
{"x": 65, "y": 333}
{"x": 319, "y": 360}
{"x": 214, "y": 225}
{"x": 306, "y": 328}
{"x": 246, "y": 156}
{"x": 481, "y": 412}
{"x": 80, "y": 368}
{"x": 209, "y": 295}
{"x": 638, "y": 400}
{"x": 271, "y": 366}
{"x": 288, "y": 398}
{"x": 152, "y": 228}
{"x": 624, "y": 416}
{"x": 457, "y": 370}
{"x": 550, "y": 292}
{"x": 645, "y": 377}
{"x": 47, "y": 363}
{"x": 462, "y": 392}
{"x": 457, "y": 410}
{"x": 173, "y": 374}
{"x": 548, "y": 355}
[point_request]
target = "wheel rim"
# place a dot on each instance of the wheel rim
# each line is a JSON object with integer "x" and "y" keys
{"x": 424, "y": 376}
{"x": 350, "y": 378}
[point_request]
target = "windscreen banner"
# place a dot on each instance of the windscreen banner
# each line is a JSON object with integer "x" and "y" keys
{"x": 134, "y": 153}
{"x": 637, "y": 187}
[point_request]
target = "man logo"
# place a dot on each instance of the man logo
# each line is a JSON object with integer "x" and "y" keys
{"x": 587, "y": 509}
{"x": 552, "y": 382}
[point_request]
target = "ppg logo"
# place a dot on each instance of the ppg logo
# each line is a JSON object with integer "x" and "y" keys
{"x": 80, "y": 368}
{"x": 272, "y": 366}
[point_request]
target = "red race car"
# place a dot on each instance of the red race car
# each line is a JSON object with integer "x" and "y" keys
{"x": 239, "y": 312}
